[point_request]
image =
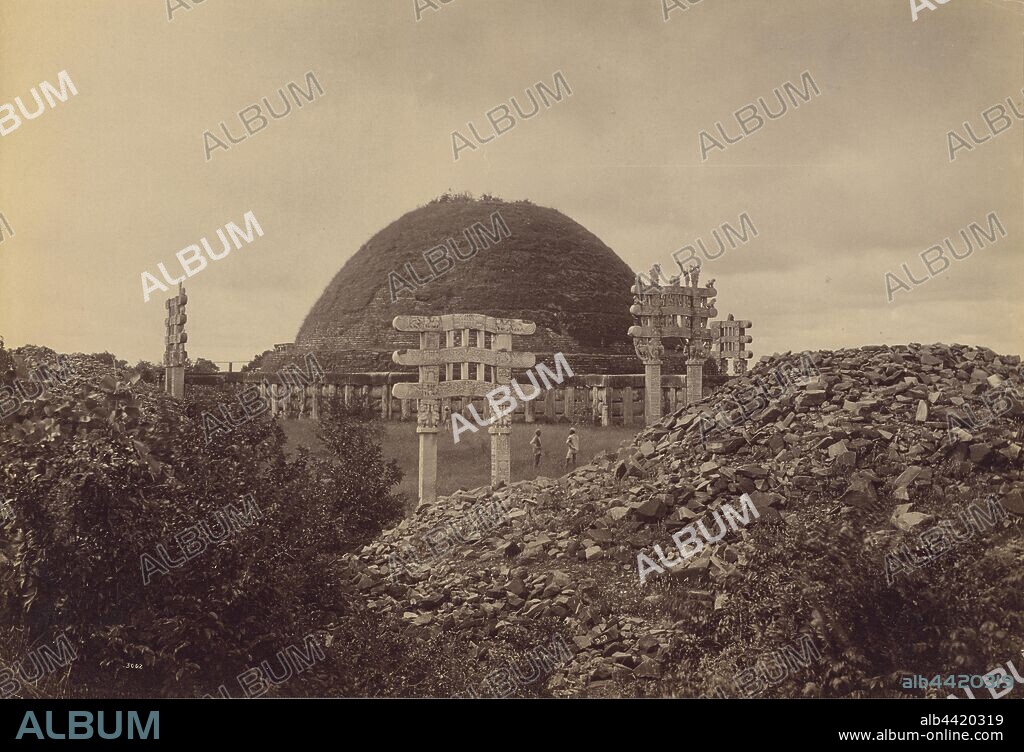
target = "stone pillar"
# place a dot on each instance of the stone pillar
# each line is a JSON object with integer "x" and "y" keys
{"x": 528, "y": 412}
{"x": 694, "y": 380}
{"x": 286, "y": 399}
{"x": 652, "y": 391}
{"x": 501, "y": 429}
{"x": 569, "y": 402}
{"x": 175, "y": 337}
{"x": 501, "y": 450}
{"x": 549, "y": 406}
{"x": 650, "y": 350}
{"x": 406, "y": 409}
{"x": 627, "y": 406}
{"x": 316, "y": 401}
{"x": 606, "y": 406}
{"x": 175, "y": 381}
{"x": 273, "y": 397}
{"x": 426, "y": 427}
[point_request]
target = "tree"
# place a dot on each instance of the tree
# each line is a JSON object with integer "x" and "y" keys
{"x": 362, "y": 479}
{"x": 150, "y": 373}
{"x": 202, "y": 366}
{"x": 256, "y": 364}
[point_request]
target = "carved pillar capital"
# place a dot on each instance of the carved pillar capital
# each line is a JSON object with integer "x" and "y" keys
{"x": 649, "y": 350}
{"x": 426, "y": 416}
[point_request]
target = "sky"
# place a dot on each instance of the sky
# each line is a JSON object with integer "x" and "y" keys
{"x": 846, "y": 187}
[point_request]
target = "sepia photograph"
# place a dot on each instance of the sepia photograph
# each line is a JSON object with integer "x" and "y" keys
{"x": 556, "y": 351}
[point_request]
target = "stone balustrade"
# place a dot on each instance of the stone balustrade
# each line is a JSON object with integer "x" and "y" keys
{"x": 617, "y": 399}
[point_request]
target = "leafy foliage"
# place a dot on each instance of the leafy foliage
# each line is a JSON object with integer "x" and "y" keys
{"x": 256, "y": 364}
{"x": 150, "y": 373}
{"x": 101, "y": 471}
{"x": 819, "y": 576}
{"x": 202, "y": 366}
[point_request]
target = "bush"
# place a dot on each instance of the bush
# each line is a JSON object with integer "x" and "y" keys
{"x": 819, "y": 576}
{"x": 103, "y": 473}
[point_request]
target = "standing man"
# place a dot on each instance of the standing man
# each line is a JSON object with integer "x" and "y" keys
{"x": 537, "y": 450}
{"x": 573, "y": 442}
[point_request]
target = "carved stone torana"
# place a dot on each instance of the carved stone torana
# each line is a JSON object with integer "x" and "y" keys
{"x": 728, "y": 344}
{"x": 175, "y": 337}
{"x": 674, "y": 311}
{"x": 461, "y": 356}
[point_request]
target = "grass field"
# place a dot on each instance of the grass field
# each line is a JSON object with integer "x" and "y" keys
{"x": 468, "y": 464}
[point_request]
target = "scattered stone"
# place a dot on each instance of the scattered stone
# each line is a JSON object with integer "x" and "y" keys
{"x": 861, "y": 437}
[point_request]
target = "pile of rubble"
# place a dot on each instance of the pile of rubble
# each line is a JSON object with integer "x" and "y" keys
{"x": 900, "y": 430}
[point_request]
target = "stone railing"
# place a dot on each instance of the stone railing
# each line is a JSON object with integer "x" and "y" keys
{"x": 607, "y": 399}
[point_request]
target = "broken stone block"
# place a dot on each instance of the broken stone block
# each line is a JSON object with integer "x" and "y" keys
{"x": 726, "y": 446}
{"x": 1013, "y": 502}
{"x": 847, "y": 459}
{"x": 980, "y": 452}
{"x": 837, "y": 449}
{"x": 708, "y": 467}
{"x": 648, "y": 669}
{"x": 979, "y": 375}
{"x": 651, "y": 510}
{"x": 811, "y": 398}
{"x": 904, "y": 519}
{"x": 907, "y": 476}
{"x": 861, "y": 492}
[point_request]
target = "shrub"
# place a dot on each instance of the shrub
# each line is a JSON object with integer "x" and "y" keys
{"x": 102, "y": 472}
{"x": 818, "y": 576}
